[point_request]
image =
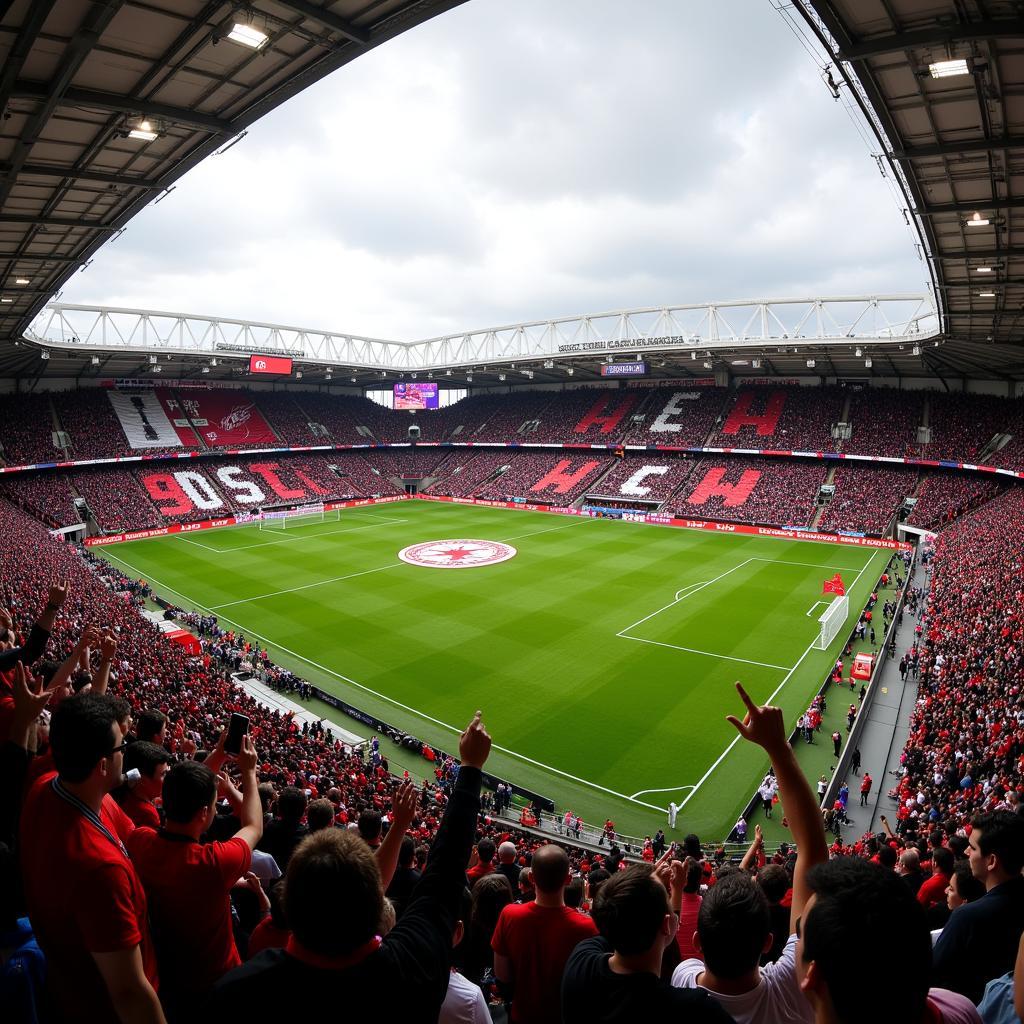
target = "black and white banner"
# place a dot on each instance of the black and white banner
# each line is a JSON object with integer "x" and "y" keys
{"x": 143, "y": 420}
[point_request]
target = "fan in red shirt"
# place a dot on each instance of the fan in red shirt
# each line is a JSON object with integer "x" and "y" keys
{"x": 532, "y": 941}
{"x": 87, "y": 905}
{"x": 137, "y": 798}
{"x": 485, "y": 865}
{"x": 933, "y": 890}
{"x": 189, "y": 883}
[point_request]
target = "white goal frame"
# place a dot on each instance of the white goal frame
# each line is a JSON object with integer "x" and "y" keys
{"x": 304, "y": 515}
{"x": 831, "y": 621}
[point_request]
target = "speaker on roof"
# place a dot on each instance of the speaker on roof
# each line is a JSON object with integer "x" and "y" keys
{"x": 414, "y": 433}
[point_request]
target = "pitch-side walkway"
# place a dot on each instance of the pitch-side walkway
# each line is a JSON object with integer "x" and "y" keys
{"x": 885, "y": 733}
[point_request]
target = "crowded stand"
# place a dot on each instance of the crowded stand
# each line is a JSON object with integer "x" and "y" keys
{"x": 682, "y": 416}
{"x": 47, "y": 496}
{"x": 414, "y": 463}
{"x": 644, "y": 477}
{"x": 466, "y": 472}
{"x": 787, "y": 418}
{"x": 885, "y": 422}
{"x": 963, "y": 425}
{"x": 942, "y": 497}
{"x": 488, "y": 418}
{"x": 774, "y": 492}
{"x": 116, "y": 500}
{"x": 545, "y": 478}
{"x": 290, "y": 423}
{"x": 27, "y": 430}
{"x": 865, "y": 499}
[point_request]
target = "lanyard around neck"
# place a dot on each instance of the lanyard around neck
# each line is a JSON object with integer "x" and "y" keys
{"x": 87, "y": 812}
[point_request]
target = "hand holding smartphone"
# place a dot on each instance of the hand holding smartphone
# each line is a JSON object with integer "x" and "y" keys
{"x": 237, "y": 728}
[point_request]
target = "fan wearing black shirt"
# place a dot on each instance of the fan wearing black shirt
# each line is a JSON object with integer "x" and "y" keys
{"x": 617, "y": 976}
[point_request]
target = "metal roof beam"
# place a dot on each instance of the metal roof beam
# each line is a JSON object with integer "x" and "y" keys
{"x": 932, "y": 209}
{"x": 1008, "y": 28}
{"x": 1007, "y": 252}
{"x": 124, "y": 104}
{"x": 59, "y": 222}
{"x": 953, "y": 148}
{"x": 328, "y": 20}
{"x": 84, "y": 174}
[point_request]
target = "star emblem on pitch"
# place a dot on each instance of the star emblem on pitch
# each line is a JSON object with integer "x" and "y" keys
{"x": 457, "y": 554}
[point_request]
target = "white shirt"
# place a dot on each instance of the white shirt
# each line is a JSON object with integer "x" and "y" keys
{"x": 464, "y": 1003}
{"x": 776, "y": 999}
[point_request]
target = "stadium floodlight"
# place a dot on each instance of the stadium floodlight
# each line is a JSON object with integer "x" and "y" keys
{"x": 248, "y": 35}
{"x": 44, "y": 355}
{"x": 298, "y": 375}
{"x": 501, "y": 376}
{"x": 983, "y": 270}
{"x": 144, "y": 132}
{"x": 549, "y": 364}
{"x": 811, "y": 364}
{"x": 916, "y": 350}
{"x": 353, "y": 380}
{"x": 708, "y": 364}
{"x": 987, "y": 295}
{"x": 152, "y": 359}
{"x": 158, "y": 369}
{"x": 858, "y": 352}
{"x": 95, "y": 360}
{"x": 949, "y": 68}
{"x": 570, "y": 371}
{"x": 6, "y": 299}
{"x": 867, "y": 363}
{"x": 22, "y": 280}
{"x": 327, "y": 375}
{"x": 469, "y": 378}
{"x": 977, "y": 221}
{"x": 756, "y": 364}
{"x": 447, "y": 373}
{"x": 213, "y": 362}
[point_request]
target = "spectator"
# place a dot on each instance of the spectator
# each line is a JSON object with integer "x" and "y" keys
{"x": 138, "y": 799}
{"x": 616, "y": 976}
{"x": 334, "y": 903}
{"x": 485, "y": 851}
{"x": 151, "y": 727}
{"x": 507, "y": 865}
{"x": 87, "y": 905}
{"x": 464, "y": 1002}
{"x": 406, "y": 876}
{"x": 188, "y": 883}
{"x": 287, "y": 830}
{"x": 932, "y": 892}
{"x": 909, "y": 869}
{"x": 980, "y": 940}
{"x": 532, "y": 941}
{"x": 319, "y": 815}
{"x": 490, "y": 897}
{"x": 686, "y": 901}
{"x": 734, "y": 924}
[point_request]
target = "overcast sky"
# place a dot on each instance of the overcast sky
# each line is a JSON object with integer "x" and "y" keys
{"x": 516, "y": 161}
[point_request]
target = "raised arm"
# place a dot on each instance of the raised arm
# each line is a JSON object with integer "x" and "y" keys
{"x": 251, "y": 811}
{"x": 765, "y": 727}
{"x": 750, "y": 857}
{"x": 108, "y": 648}
{"x": 403, "y": 810}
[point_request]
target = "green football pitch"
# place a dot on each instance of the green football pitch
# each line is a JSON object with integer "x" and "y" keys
{"x": 603, "y": 654}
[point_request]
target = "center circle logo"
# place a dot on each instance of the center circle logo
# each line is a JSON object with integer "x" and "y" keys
{"x": 457, "y": 554}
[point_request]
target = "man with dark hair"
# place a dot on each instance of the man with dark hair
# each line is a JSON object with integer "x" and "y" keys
{"x": 980, "y": 940}
{"x": 616, "y": 976}
{"x": 319, "y": 814}
{"x": 369, "y": 826}
{"x": 933, "y": 892}
{"x": 404, "y": 880}
{"x": 485, "y": 850}
{"x": 151, "y": 726}
{"x": 136, "y": 797}
{"x": 734, "y": 927}
{"x": 532, "y": 941}
{"x": 853, "y": 903}
{"x": 189, "y": 883}
{"x": 86, "y": 902}
{"x": 286, "y": 831}
{"x": 333, "y": 903}
{"x": 773, "y": 881}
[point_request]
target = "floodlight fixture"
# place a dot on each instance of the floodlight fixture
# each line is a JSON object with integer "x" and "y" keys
{"x": 949, "y": 68}
{"x": 977, "y": 221}
{"x": 983, "y": 270}
{"x": 867, "y": 363}
{"x": 916, "y": 350}
{"x": 22, "y": 280}
{"x": 143, "y": 131}
{"x": 987, "y": 294}
{"x": 248, "y": 35}
{"x": 811, "y": 364}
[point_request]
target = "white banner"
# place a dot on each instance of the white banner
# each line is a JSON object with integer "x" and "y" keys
{"x": 143, "y": 420}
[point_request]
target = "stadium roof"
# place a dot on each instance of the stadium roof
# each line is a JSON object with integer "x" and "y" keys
{"x": 77, "y": 76}
{"x": 942, "y": 83}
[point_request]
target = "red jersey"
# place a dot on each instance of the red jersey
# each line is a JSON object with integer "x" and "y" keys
{"x": 84, "y": 896}
{"x": 933, "y": 890}
{"x": 188, "y": 886}
{"x": 478, "y": 871}
{"x": 538, "y": 942}
{"x": 141, "y": 812}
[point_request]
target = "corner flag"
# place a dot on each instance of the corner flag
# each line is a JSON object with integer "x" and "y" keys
{"x": 834, "y": 586}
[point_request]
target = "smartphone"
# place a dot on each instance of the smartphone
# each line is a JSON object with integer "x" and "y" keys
{"x": 237, "y": 728}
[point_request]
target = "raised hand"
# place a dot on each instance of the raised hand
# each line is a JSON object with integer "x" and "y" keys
{"x": 763, "y": 725}
{"x": 247, "y": 756}
{"x": 29, "y": 696}
{"x": 6, "y": 622}
{"x": 403, "y": 805}
{"x": 58, "y": 594}
{"x": 474, "y": 743}
{"x": 108, "y": 647}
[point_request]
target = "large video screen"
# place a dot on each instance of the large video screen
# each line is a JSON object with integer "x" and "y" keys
{"x": 416, "y": 396}
{"x": 270, "y": 364}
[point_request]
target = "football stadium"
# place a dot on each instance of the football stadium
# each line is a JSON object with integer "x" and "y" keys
{"x": 465, "y": 673}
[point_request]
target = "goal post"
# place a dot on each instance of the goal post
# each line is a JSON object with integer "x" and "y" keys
{"x": 831, "y": 621}
{"x": 304, "y": 515}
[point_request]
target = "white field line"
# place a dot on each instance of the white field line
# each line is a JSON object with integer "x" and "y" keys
{"x": 771, "y": 697}
{"x": 680, "y": 593}
{"x": 551, "y": 529}
{"x": 707, "y": 654}
{"x": 382, "y": 696}
{"x": 307, "y": 586}
{"x": 307, "y": 536}
{"x": 670, "y": 789}
{"x": 810, "y": 565}
{"x": 810, "y": 611}
{"x": 198, "y": 544}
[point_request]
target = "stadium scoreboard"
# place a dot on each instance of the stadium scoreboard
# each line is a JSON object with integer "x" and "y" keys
{"x": 416, "y": 395}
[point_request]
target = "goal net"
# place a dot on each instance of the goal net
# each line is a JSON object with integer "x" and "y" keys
{"x": 288, "y": 519}
{"x": 831, "y": 621}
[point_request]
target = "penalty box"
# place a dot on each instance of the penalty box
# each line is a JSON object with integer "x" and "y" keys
{"x": 754, "y": 613}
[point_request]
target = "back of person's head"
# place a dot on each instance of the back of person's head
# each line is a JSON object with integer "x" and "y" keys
{"x": 485, "y": 848}
{"x": 81, "y": 734}
{"x": 491, "y": 894}
{"x": 855, "y": 903}
{"x": 943, "y": 860}
{"x": 596, "y": 878}
{"x": 574, "y": 893}
{"x": 693, "y": 874}
{"x": 369, "y": 826}
{"x": 267, "y": 794}
{"x": 146, "y": 757}
{"x": 630, "y": 910}
{"x": 506, "y": 853}
{"x": 319, "y": 814}
{"x": 774, "y": 882}
{"x": 691, "y": 846}
{"x": 958, "y": 844}
{"x": 1002, "y": 836}
{"x": 407, "y": 852}
{"x": 733, "y": 925}
{"x": 525, "y": 880}
{"x": 910, "y": 859}
{"x": 149, "y": 724}
{"x": 333, "y": 898}
{"x": 291, "y": 805}
{"x": 550, "y": 869}
{"x": 188, "y": 788}
{"x": 123, "y": 711}
{"x": 887, "y": 856}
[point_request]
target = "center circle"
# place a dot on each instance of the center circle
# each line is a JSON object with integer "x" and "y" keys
{"x": 457, "y": 554}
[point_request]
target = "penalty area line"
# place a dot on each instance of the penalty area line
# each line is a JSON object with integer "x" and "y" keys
{"x": 670, "y": 789}
{"x": 390, "y": 700}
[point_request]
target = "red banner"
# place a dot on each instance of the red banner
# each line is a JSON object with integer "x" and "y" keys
{"x": 834, "y": 586}
{"x": 219, "y": 417}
